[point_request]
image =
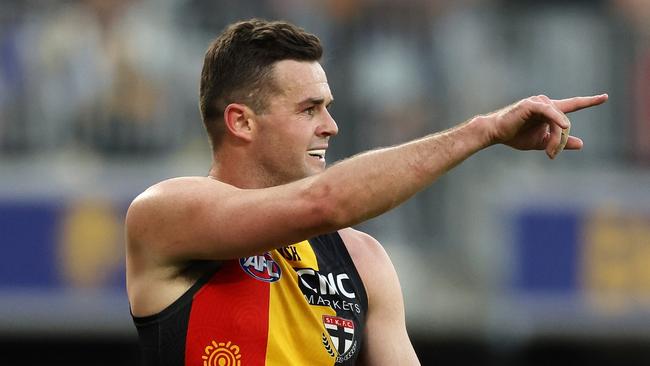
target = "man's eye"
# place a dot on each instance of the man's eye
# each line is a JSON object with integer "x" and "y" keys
{"x": 310, "y": 111}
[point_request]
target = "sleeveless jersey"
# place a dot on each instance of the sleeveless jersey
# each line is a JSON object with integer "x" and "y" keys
{"x": 302, "y": 304}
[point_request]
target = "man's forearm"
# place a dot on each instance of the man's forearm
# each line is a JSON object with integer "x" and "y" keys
{"x": 368, "y": 184}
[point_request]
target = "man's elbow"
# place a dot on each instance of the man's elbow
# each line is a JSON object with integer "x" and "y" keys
{"x": 326, "y": 209}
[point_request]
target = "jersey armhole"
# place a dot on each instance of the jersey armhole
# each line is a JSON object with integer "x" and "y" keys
{"x": 183, "y": 300}
{"x": 348, "y": 258}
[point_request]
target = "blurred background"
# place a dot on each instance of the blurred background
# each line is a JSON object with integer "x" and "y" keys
{"x": 510, "y": 259}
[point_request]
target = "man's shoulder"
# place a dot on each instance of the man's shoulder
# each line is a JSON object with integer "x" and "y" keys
{"x": 370, "y": 260}
{"x": 169, "y": 196}
{"x": 175, "y": 184}
{"x": 362, "y": 246}
{"x": 357, "y": 237}
{"x": 176, "y": 188}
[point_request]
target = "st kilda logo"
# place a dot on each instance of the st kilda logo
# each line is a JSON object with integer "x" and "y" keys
{"x": 261, "y": 267}
{"x": 341, "y": 337}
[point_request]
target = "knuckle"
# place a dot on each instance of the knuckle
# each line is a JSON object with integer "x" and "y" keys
{"x": 543, "y": 108}
{"x": 527, "y": 103}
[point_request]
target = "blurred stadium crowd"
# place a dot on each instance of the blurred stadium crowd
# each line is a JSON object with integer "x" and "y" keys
{"x": 120, "y": 77}
{"x": 98, "y": 99}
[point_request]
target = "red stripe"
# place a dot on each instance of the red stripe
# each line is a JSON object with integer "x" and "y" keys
{"x": 231, "y": 307}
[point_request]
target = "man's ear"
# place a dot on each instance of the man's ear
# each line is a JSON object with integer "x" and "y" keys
{"x": 238, "y": 120}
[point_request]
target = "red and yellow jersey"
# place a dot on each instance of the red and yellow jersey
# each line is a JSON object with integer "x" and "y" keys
{"x": 302, "y": 304}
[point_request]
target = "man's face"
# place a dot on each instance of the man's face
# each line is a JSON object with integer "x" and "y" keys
{"x": 293, "y": 132}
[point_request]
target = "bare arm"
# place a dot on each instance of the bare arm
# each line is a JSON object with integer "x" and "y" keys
{"x": 386, "y": 339}
{"x": 200, "y": 218}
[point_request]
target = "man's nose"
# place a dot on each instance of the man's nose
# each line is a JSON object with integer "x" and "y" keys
{"x": 328, "y": 126}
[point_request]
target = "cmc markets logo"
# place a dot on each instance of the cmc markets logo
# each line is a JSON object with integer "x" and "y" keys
{"x": 335, "y": 290}
{"x": 261, "y": 267}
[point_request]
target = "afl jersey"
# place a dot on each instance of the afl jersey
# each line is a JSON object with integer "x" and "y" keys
{"x": 302, "y": 304}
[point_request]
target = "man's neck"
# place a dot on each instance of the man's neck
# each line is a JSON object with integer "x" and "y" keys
{"x": 237, "y": 172}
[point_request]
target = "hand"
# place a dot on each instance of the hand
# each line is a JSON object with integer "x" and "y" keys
{"x": 537, "y": 123}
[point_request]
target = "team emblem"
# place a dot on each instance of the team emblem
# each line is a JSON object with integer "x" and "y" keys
{"x": 341, "y": 334}
{"x": 221, "y": 354}
{"x": 261, "y": 267}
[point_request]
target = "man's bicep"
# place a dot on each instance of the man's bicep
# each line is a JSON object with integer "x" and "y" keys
{"x": 199, "y": 218}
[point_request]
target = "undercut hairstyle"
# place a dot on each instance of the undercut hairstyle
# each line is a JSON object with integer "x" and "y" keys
{"x": 238, "y": 67}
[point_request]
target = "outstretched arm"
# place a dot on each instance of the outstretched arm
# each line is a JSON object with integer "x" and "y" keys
{"x": 200, "y": 218}
{"x": 376, "y": 181}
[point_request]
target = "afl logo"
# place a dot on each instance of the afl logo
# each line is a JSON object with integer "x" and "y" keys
{"x": 261, "y": 267}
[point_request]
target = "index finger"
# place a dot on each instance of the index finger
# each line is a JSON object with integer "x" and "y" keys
{"x": 577, "y": 103}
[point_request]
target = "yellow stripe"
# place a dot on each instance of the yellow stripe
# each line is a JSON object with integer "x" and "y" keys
{"x": 307, "y": 256}
{"x": 295, "y": 327}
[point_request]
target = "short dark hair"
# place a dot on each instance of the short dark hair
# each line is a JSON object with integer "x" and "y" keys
{"x": 238, "y": 67}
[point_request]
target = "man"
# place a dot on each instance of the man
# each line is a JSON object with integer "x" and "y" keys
{"x": 256, "y": 264}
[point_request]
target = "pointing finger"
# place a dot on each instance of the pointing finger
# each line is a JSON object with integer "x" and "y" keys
{"x": 577, "y": 103}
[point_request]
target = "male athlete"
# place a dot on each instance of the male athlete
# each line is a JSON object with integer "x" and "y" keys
{"x": 256, "y": 264}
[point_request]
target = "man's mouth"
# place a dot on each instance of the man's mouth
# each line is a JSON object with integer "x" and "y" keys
{"x": 317, "y": 153}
